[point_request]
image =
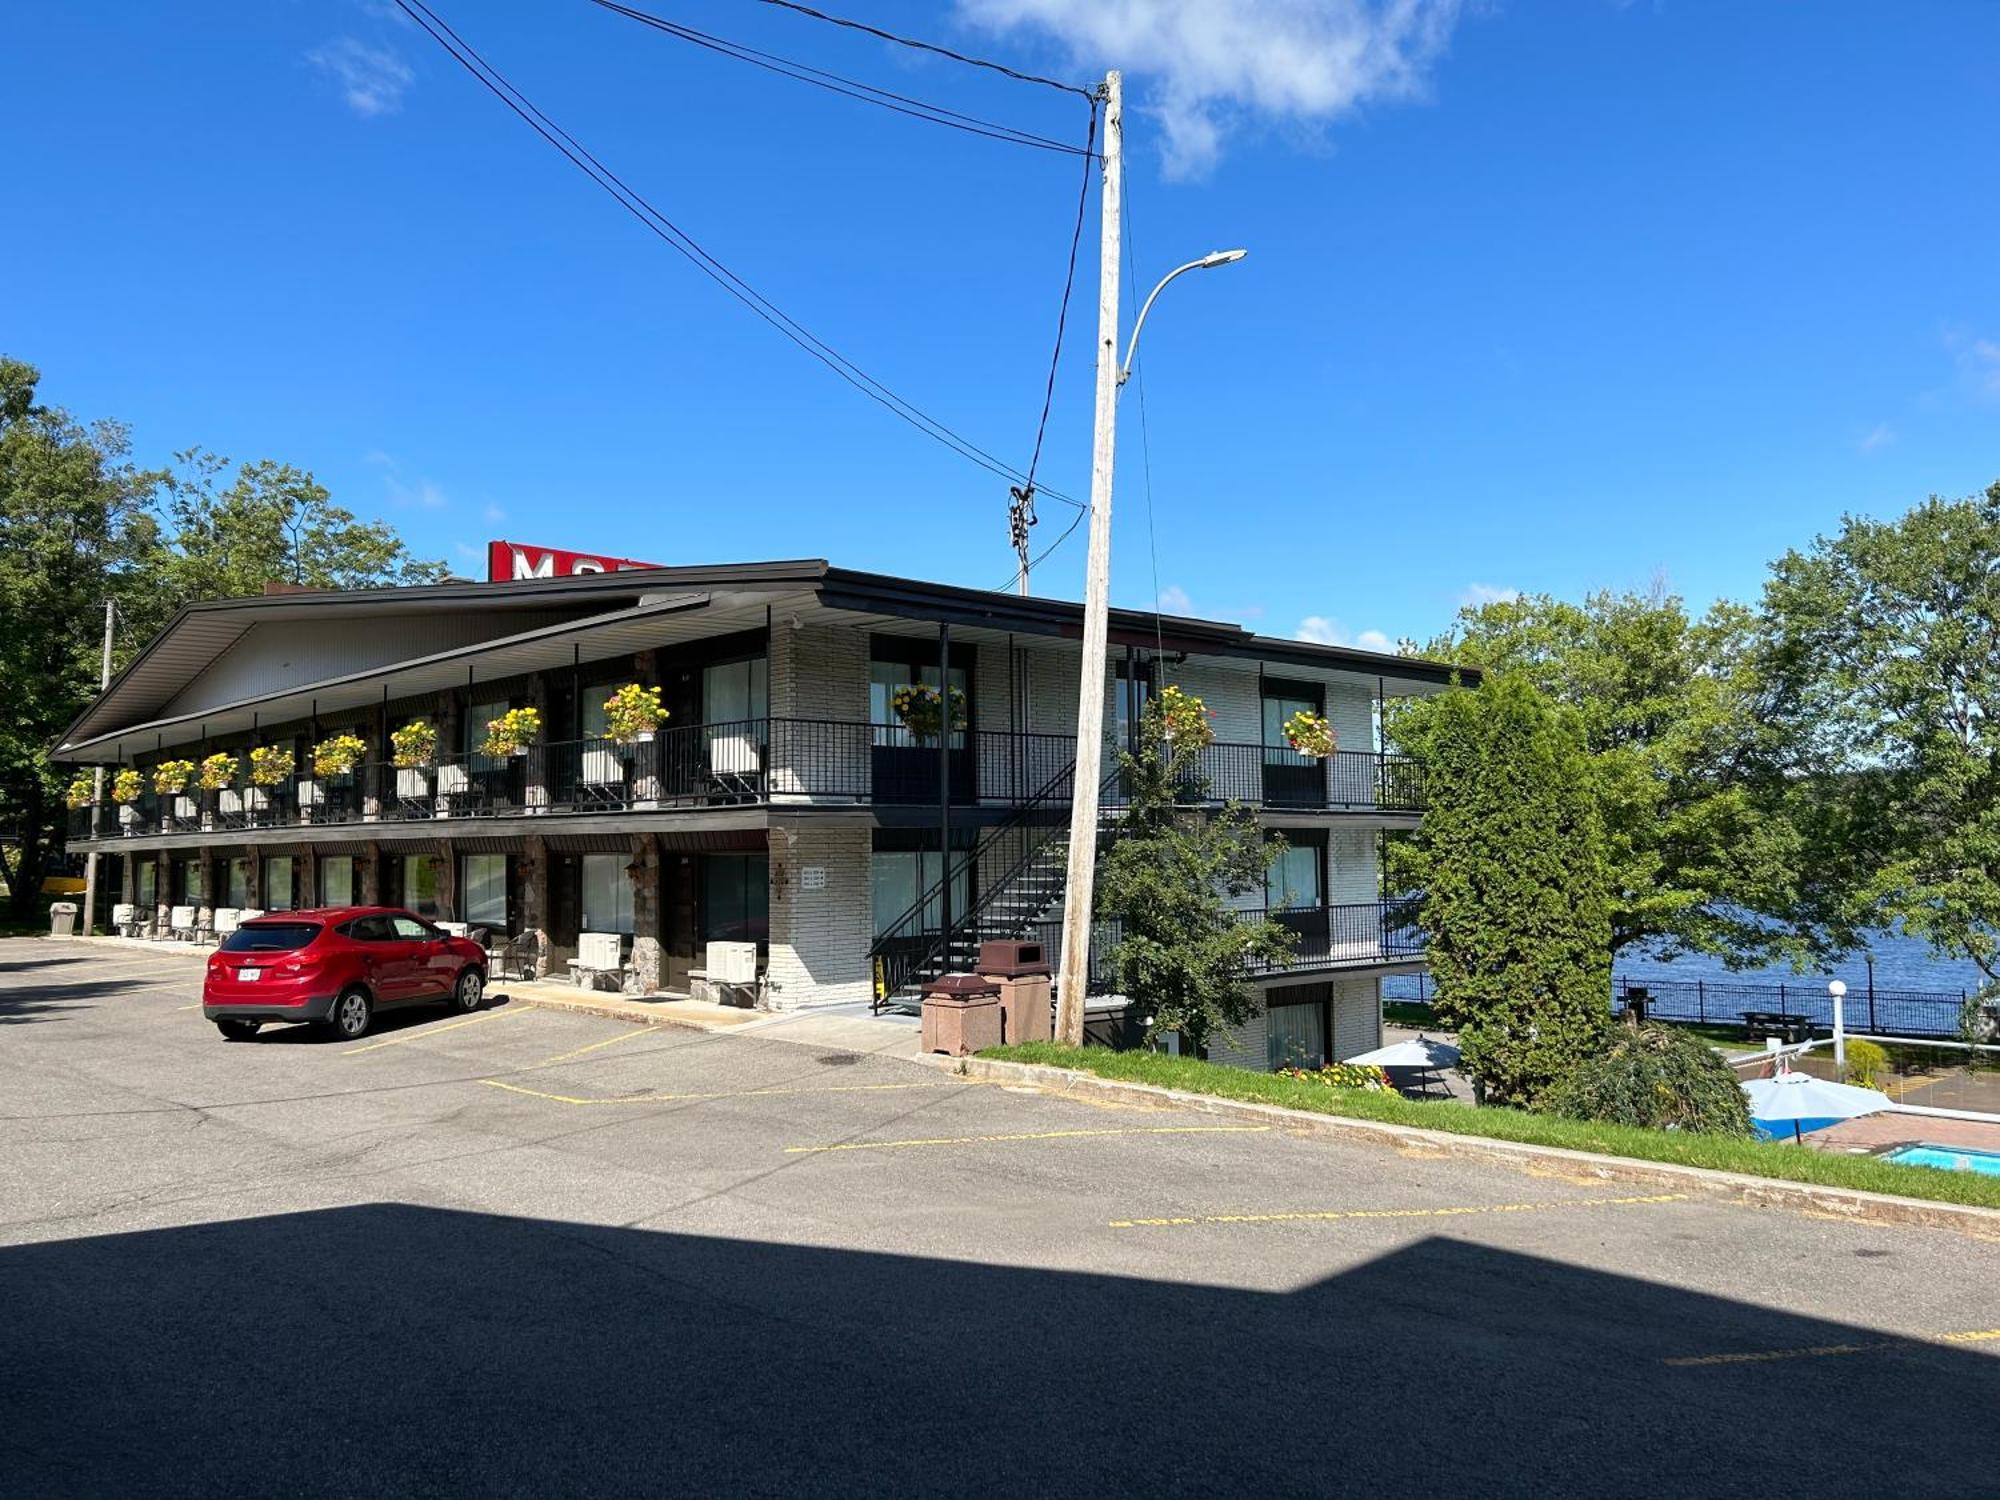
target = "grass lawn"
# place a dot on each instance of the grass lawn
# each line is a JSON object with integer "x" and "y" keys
{"x": 1755, "y": 1158}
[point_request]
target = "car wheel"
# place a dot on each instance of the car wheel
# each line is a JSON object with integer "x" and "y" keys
{"x": 351, "y": 1014}
{"x": 236, "y": 1031}
{"x": 468, "y": 992}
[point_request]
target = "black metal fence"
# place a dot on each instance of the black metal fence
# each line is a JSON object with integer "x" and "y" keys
{"x": 1802, "y": 1003}
{"x": 1279, "y": 779}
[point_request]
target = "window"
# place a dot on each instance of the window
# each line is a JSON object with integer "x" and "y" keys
{"x": 734, "y": 691}
{"x": 370, "y": 930}
{"x": 336, "y": 880}
{"x": 278, "y": 895}
{"x": 483, "y": 890}
{"x": 148, "y": 883}
{"x": 1280, "y": 703}
{"x": 888, "y": 675}
{"x": 1131, "y": 692}
{"x": 420, "y": 887}
{"x": 899, "y": 876}
{"x": 1292, "y": 881}
{"x": 736, "y": 898}
{"x": 238, "y": 883}
{"x": 607, "y": 894}
{"x": 1295, "y": 1035}
{"x": 477, "y": 717}
{"x": 270, "y": 937}
{"x": 194, "y": 882}
{"x": 410, "y": 930}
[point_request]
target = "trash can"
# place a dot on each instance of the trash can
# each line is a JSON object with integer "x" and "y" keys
{"x": 961, "y": 1015}
{"x": 1021, "y": 969}
{"x": 62, "y": 919}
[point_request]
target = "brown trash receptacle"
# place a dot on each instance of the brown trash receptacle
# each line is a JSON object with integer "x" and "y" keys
{"x": 1011, "y": 959}
{"x": 1027, "y": 1008}
{"x": 961, "y": 1015}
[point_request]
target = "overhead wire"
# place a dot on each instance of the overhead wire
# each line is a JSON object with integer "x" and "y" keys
{"x": 665, "y": 229}
{"x": 1021, "y": 513}
{"x": 931, "y": 47}
{"x": 852, "y": 88}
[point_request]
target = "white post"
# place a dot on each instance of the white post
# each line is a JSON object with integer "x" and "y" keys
{"x": 1080, "y": 892}
{"x": 97, "y": 784}
{"x": 1839, "y": 992}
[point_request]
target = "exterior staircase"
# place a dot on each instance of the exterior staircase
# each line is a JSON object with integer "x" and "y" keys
{"x": 1023, "y": 865}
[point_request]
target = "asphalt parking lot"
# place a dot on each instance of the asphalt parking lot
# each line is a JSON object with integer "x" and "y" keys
{"x": 532, "y": 1251}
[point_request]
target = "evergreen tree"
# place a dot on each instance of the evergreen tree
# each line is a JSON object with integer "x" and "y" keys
{"x": 1509, "y": 868}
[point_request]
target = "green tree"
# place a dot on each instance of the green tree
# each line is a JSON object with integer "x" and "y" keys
{"x": 1881, "y": 652}
{"x": 273, "y": 522}
{"x": 1702, "y": 853}
{"x": 1171, "y": 878}
{"x": 74, "y": 530}
{"x": 1509, "y": 864}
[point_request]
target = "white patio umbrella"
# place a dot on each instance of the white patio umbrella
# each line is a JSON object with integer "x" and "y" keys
{"x": 1797, "y": 1097}
{"x": 1420, "y": 1053}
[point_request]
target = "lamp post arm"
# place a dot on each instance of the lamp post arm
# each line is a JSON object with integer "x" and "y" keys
{"x": 1125, "y": 370}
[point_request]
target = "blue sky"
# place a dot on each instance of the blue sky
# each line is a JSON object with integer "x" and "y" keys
{"x": 1541, "y": 296}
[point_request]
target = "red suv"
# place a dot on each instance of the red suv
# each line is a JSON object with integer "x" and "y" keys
{"x": 336, "y": 967}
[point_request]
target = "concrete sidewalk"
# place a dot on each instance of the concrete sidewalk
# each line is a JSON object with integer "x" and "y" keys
{"x": 845, "y": 1028}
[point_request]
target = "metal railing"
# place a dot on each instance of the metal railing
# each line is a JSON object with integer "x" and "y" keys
{"x": 743, "y": 762}
{"x": 1351, "y": 935}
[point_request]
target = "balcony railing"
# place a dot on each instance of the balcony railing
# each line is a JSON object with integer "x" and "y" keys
{"x": 740, "y": 763}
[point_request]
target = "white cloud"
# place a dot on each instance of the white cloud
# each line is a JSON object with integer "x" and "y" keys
{"x": 1174, "y": 600}
{"x": 371, "y": 79}
{"x": 423, "y": 494}
{"x": 467, "y": 551}
{"x": 1478, "y": 594}
{"x": 494, "y": 513}
{"x": 1978, "y": 362}
{"x": 1322, "y": 630}
{"x": 1206, "y": 65}
{"x": 1881, "y": 435}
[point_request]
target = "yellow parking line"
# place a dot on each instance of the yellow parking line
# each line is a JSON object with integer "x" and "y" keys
{"x": 610, "y": 1041}
{"x": 1822, "y": 1351}
{"x": 417, "y": 1034}
{"x": 1033, "y": 1135}
{"x": 839, "y": 1088}
{"x": 1329, "y": 1215}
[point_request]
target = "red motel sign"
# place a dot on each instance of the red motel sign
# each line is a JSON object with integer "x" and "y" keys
{"x": 512, "y": 562}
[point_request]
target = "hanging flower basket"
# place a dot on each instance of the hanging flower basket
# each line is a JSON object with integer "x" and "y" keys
{"x": 414, "y": 745}
{"x": 127, "y": 786}
{"x": 921, "y": 711}
{"x": 171, "y": 777}
{"x": 271, "y": 765}
{"x": 81, "y": 790}
{"x": 1185, "y": 720}
{"x": 632, "y": 715}
{"x": 1310, "y": 734}
{"x": 512, "y": 732}
{"x": 218, "y": 772}
{"x": 338, "y": 755}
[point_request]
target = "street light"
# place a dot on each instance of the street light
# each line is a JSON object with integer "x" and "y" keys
{"x": 1208, "y": 261}
{"x": 1838, "y": 990}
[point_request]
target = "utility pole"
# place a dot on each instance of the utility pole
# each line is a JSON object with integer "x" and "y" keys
{"x": 1080, "y": 892}
{"x": 97, "y": 783}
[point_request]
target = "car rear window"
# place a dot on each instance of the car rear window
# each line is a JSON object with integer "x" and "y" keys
{"x": 270, "y": 937}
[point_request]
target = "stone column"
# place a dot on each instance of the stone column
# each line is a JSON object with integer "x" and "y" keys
{"x": 368, "y": 877}
{"x": 306, "y": 862}
{"x": 253, "y": 884}
{"x": 444, "y": 869}
{"x": 204, "y": 915}
{"x": 532, "y": 865}
{"x": 128, "y": 880}
{"x": 644, "y": 873}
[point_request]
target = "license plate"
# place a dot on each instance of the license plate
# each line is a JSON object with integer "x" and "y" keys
{"x": 248, "y": 974}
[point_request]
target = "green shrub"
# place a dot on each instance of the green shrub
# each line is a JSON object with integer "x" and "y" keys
{"x": 1867, "y": 1064}
{"x": 1656, "y": 1077}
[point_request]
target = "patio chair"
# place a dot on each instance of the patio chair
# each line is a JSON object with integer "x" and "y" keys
{"x": 736, "y": 766}
{"x": 512, "y": 957}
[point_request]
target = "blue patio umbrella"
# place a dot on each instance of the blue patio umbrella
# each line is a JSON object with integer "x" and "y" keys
{"x": 1807, "y": 1103}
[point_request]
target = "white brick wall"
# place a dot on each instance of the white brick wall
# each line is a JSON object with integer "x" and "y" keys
{"x": 1357, "y": 1016}
{"x": 819, "y": 673}
{"x": 1246, "y": 1047}
{"x": 820, "y": 938}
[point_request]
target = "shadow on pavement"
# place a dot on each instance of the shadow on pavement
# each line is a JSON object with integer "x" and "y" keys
{"x": 21, "y": 1004}
{"x": 393, "y": 1349}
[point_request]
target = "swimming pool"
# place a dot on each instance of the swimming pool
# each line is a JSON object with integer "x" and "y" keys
{"x": 1946, "y": 1158}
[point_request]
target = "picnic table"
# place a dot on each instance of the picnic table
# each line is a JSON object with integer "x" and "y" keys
{"x": 1780, "y": 1024}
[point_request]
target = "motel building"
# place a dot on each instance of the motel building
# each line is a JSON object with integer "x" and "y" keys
{"x": 788, "y": 798}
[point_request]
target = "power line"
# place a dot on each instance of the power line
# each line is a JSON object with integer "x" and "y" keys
{"x": 664, "y": 228}
{"x": 931, "y": 47}
{"x": 1021, "y": 513}
{"x": 866, "y": 93}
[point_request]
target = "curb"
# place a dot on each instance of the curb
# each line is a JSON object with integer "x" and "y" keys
{"x": 1759, "y": 1192}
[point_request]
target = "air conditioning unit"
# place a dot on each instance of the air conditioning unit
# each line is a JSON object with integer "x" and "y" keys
{"x": 732, "y": 963}
{"x": 600, "y": 950}
{"x": 124, "y": 914}
{"x": 182, "y": 919}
